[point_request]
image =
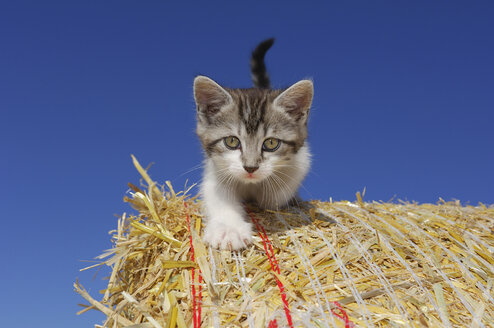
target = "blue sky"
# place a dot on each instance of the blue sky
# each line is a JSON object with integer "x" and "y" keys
{"x": 403, "y": 106}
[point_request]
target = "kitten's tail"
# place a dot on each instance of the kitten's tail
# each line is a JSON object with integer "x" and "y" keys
{"x": 258, "y": 71}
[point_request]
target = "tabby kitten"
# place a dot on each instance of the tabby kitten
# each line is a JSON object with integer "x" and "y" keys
{"x": 255, "y": 146}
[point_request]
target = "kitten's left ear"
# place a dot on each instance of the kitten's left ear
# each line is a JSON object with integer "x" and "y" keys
{"x": 210, "y": 97}
{"x": 296, "y": 100}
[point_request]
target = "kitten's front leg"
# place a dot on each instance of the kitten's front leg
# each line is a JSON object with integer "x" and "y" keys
{"x": 226, "y": 227}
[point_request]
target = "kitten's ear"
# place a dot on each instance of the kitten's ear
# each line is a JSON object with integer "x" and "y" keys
{"x": 296, "y": 100}
{"x": 209, "y": 95}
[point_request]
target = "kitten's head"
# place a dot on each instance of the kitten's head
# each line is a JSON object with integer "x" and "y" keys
{"x": 251, "y": 133}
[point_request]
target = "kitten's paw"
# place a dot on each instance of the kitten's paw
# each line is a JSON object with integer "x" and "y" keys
{"x": 222, "y": 236}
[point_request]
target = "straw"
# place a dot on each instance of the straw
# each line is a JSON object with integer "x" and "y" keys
{"x": 338, "y": 264}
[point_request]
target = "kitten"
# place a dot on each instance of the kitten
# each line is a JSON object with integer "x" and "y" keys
{"x": 255, "y": 146}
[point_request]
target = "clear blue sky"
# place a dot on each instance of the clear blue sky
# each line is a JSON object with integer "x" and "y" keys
{"x": 404, "y": 101}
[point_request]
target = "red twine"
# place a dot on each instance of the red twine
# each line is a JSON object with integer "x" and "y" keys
{"x": 196, "y": 305}
{"x": 276, "y": 268}
{"x": 343, "y": 316}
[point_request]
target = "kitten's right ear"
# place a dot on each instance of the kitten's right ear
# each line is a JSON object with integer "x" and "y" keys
{"x": 296, "y": 100}
{"x": 209, "y": 95}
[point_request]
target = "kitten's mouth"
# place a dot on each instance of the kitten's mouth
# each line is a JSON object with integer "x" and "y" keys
{"x": 251, "y": 177}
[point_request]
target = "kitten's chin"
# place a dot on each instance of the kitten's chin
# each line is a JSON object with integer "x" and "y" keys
{"x": 251, "y": 180}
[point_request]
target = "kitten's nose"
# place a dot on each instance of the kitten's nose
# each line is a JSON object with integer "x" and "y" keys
{"x": 251, "y": 169}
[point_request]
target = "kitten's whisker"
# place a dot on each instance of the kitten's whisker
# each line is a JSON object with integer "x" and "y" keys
{"x": 269, "y": 192}
{"x": 284, "y": 187}
{"x": 288, "y": 165}
{"x": 223, "y": 180}
{"x": 263, "y": 184}
{"x": 273, "y": 189}
{"x": 290, "y": 177}
{"x": 194, "y": 168}
{"x": 301, "y": 167}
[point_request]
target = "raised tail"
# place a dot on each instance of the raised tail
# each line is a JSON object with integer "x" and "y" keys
{"x": 258, "y": 71}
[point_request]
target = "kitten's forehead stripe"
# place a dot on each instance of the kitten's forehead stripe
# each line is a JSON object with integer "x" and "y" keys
{"x": 252, "y": 105}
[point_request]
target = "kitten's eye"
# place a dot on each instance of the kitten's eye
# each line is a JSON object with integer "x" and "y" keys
{"x": 271, "y": 144}
{"x": 232, "y": 143}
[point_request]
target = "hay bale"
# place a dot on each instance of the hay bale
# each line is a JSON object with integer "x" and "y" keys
{"x": 323, "y": 264}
